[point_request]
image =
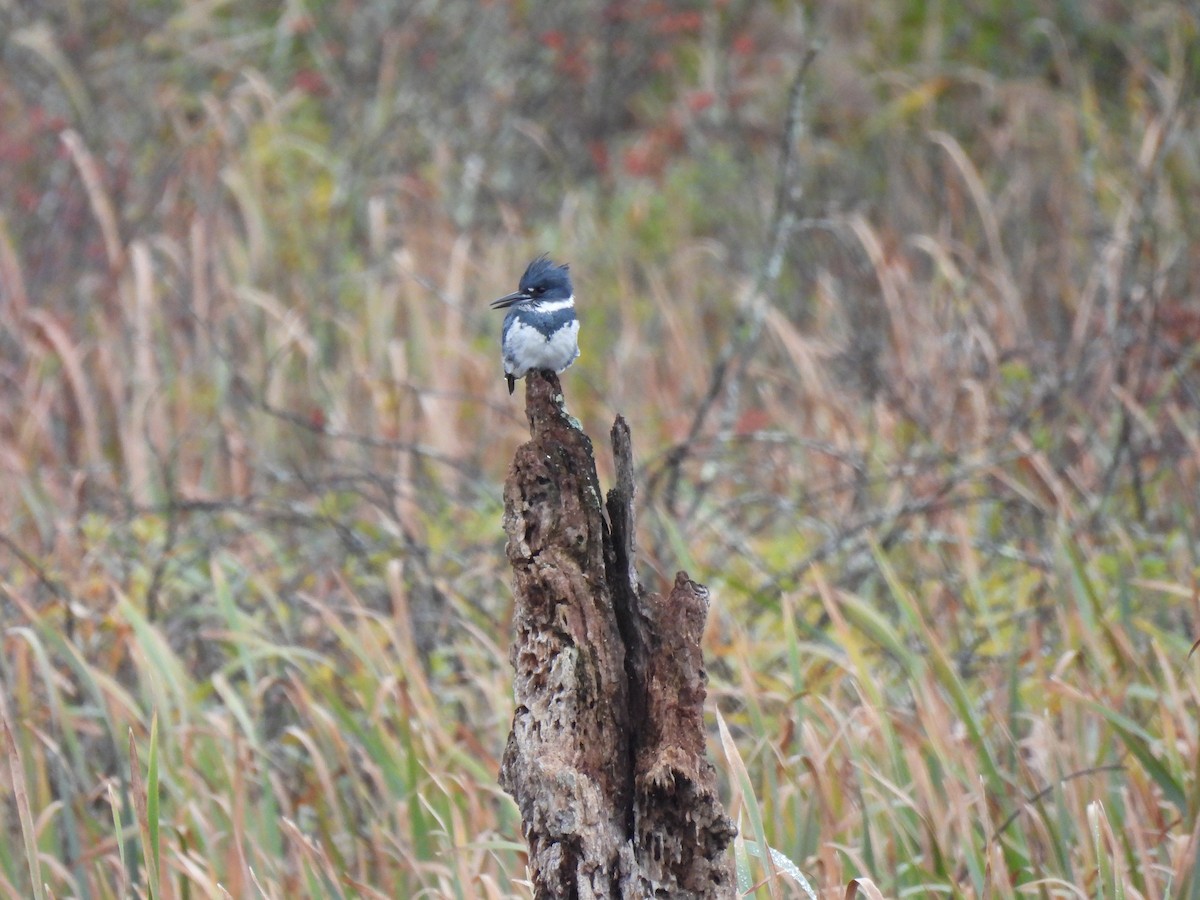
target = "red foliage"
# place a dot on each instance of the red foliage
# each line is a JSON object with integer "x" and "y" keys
{"x": 27, "y": 198}
{"x": 698, "y": 101}
{"x": 672, "y": 23}
{"x": 599, "y": 153}
{"x": 752, "y": 420}
{"x": 574, "y": 66}
{"x": 311, "y": 82}
{"x": 663, "y": 61}
{"x": 553, "y": 39}
{"x": 653, "y": 150}
{"x": 302, "y": 24}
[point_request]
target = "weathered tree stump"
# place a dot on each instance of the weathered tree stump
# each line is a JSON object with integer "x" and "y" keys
{"x": 606, "y": 758}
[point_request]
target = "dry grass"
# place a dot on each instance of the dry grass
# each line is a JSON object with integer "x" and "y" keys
{"x": 942, "y": 483}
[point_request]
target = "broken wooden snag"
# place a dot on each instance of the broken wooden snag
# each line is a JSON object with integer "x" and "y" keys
{"x": 606, "y": 757}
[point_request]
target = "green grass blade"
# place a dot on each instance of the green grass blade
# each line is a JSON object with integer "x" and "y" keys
{"x": 741, "y": 778}
{"x": 16, "y": 770}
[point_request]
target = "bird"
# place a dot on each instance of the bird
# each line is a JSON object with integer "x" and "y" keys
{"x": 540, "y": 330}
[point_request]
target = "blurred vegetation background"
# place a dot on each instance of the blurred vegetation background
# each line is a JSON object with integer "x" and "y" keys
{"x": 899, "y": 298}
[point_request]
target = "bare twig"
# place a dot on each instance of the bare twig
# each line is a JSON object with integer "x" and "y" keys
{"x": 1140, "y": 219}
{"x": 1049, "y": 789}
{"x": 748, "y": 327}
{"x": 44, "y": 579}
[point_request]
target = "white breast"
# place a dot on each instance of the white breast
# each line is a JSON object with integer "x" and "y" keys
{"x": 526, "y": 348}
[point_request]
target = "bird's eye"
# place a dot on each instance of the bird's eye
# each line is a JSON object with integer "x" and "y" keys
{"x": 537, "y": 290}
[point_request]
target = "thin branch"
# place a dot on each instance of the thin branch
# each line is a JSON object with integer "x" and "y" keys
{"x": 1149, "y": 175}
{"x": 363, "y": 440}
{"x": 44, "y": 579}
{"x": 1049, "y": 789}
{"x": 748, "y": 326}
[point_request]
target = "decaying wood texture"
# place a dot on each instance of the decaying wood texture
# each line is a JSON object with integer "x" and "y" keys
{"x": 606, "y": 758}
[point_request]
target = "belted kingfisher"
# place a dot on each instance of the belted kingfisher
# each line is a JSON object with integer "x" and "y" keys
{"x": 540, "y": 330}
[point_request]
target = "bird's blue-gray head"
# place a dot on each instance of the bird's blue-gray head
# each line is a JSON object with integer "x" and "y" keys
{"x": 544, "y": 282}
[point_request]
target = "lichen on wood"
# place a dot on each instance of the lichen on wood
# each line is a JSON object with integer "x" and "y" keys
{"x": 606, "y": 758}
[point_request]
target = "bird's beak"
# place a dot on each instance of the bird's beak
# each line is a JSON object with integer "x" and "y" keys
{"x": 510, "y": 299}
